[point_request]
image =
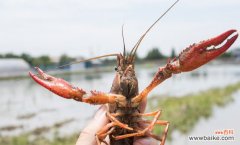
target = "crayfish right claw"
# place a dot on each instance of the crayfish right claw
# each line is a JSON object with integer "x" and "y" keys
{"x": 58, "y": 86}
{"x": 203, "y": 52}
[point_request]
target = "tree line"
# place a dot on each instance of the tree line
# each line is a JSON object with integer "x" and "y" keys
{"x": 45, "y": 61}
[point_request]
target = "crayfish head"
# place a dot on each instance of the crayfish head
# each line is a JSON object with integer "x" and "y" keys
{"x": 199, "y": 54}
{"x": 125, "y": 82}
{"x": 125, "y": 66}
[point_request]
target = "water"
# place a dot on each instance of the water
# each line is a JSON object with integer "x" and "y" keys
{"x": 25, "y": 106}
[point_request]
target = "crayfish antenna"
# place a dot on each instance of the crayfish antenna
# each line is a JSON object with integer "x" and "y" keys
{"x": 134, "y": 49}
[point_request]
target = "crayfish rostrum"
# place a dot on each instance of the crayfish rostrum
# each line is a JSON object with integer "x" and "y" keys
{"x": 124, "y": 99}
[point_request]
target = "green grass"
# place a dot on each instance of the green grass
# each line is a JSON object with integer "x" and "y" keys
{"x": 184, "y": 112}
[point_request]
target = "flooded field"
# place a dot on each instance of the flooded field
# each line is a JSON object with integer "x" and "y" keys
{"x": 27, "y": 107}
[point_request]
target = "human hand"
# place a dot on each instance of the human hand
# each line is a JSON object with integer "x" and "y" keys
{"x": 87, "y": 136}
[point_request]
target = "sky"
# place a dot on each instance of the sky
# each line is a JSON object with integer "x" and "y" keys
{"x": 93, "y": 27}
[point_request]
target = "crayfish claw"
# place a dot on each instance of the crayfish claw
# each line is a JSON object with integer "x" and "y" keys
{"x": 201, "y": 53}
{"x": 43, "y": 75}
{"x": 57, "y": 85}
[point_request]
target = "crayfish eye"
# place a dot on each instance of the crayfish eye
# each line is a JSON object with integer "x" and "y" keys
{"x": 115, "y": 68}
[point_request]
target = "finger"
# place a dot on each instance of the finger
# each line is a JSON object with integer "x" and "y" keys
{"x": 87, "y": 137}
{"x": 146, "y": 141}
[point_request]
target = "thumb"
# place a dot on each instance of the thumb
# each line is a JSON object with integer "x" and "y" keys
{"x": 87, "y": 136}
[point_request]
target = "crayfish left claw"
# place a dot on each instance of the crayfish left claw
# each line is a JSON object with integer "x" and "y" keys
{"x": 68, "y": 91}
{"x": 58, "y": 86}
{"x": 199, "y": 54}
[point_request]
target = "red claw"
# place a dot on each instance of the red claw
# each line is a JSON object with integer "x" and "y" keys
{"x": 199, "y": 54}
{"x": 58, "y": 86}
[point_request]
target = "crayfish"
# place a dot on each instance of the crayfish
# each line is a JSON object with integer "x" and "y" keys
{"x": 124, "y": 98}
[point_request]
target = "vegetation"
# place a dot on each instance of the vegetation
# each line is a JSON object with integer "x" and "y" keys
{"x": 173, "y": 53}
{"x": 154, "y": 54}
{"x": 227, "y": 55}
{"x": 36, "y": 137}
{"x": 45, "y": 61}
{"x": 64, "y": 59}
{"x": 184, "y": 112}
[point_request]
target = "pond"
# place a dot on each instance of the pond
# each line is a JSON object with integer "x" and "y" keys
{"x": 25, "y": 106}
